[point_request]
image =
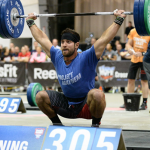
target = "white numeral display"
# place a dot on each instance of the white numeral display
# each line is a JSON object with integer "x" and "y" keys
{"x": 75, "y": 137}
{"x": 3, "y": 104}
{"x": 62, "y": 133}
{"x": 13, "y": 105}
{"x": 101, "y": 142}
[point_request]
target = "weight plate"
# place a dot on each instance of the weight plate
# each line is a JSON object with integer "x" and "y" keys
{"x": 136, "y": 17}
{"x": 32, "y": 90}
{"x": 141, "y": 18}
{"x": 147, "y": 16}
{"x": 12, "y": 28}
{"x": 1, "y": 30}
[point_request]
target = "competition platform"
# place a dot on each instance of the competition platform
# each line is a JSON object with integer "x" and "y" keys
{"x": 23, "y": 126}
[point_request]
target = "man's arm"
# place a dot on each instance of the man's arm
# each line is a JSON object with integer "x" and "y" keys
{"x": 107, "y": 36}
{"x": 114, "y": 58}
{"x": 129, "y": 46}
{"x": 130, "y": 49}
{"x": 40, "y": 36}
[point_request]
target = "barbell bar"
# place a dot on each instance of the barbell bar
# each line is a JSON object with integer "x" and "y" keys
{"x": 12, "y": 17}
{"x": 71, "y": 14}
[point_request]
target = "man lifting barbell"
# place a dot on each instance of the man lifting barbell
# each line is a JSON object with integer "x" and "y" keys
{"x": 76, "y": 74}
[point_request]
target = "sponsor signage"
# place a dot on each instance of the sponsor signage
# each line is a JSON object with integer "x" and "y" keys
{"x": 114, "y": 73}
{"x": 11, "y": 105}
{"x": 83, "y": 138}
{"x": 12, "y": 73}
{"x": 21, "y": 137}
{"x": 111, "y": 73}
{"x": 43, "y": 73}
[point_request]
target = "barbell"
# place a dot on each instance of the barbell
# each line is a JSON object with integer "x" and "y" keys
{"x": 12, "y": 17}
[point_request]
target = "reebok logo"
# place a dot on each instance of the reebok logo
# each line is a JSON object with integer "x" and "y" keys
{"x": 44, "y": 74}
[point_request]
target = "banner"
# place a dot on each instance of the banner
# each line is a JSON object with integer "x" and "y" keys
{"x": 43, "y": 73}
{"x": 12, "y": 73}
{"x": 111, "y": 73}
{"x": 21, "y": 137}
{"x": 114, "y": 73}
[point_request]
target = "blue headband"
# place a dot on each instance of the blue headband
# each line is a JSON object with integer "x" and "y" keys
{"x": 70, "y": 36}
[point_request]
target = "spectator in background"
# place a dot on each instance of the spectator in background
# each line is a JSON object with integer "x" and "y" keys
{"x": 6, "y": 56}
{"x": 11, "y": 50}
{"x": 118, "y": 51}
{"x": 35, "y": 47}
{"x": 127, "y": 30}
{"x": 115, "y": 45}
{"x": 109, "y": 53}
{"x": 93, "y": 40}
{"x": 23, "y": 55}
{"x": 16, "y": 53}
{"x": 27, "y": 49}
{"x": 39, "y": 56}
{"x": 125, "y": 54}
{"x": 137, "y": 46}
{"x": 55, "y": 43}
{"x": 12, "y": 45}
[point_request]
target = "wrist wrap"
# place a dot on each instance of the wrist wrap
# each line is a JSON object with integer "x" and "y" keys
{"x": 30, "y": 22}
{"x": 119, "y": 20}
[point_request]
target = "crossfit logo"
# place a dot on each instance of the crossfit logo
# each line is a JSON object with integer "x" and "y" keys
{"x": 106, "y": 73}
{"x": 8, "y": 70}
{"x": 14, "y": 145}
{"x": 44, "y": 74}
{"x": 39, "y": 132}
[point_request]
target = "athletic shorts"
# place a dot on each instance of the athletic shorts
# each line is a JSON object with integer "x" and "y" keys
{"x": 59, "y": 103}
{"x": 133, "y": 70}
{"x": 147, "y": 71}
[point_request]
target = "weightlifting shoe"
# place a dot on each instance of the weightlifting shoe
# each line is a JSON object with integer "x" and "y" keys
{"x": 96, "y": 125}
{"x": 143, "y": 106}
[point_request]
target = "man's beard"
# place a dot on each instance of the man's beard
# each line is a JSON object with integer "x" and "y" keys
{"x": 69, "y": 54}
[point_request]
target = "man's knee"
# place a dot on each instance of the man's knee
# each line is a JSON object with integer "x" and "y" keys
{"x": 41, "y": 97}
{"x": 96, "y": 102}
{"x": 97, "y": 95}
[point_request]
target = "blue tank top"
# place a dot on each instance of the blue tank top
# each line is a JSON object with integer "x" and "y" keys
{"x": 77, "y": 78}
{"x": 147, "y": 54}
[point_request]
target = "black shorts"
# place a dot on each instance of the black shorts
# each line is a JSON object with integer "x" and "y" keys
{"x": 59, "y": 103}
{"x": 133, "y": 70}
{"x": 147, "y": 71}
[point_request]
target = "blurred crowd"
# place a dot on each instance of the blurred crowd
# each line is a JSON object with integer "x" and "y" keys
{"x": 114, "y": 51}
